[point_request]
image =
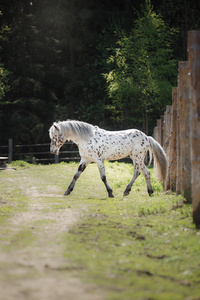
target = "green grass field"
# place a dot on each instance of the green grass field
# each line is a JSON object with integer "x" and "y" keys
{"x": 135, "y": 247}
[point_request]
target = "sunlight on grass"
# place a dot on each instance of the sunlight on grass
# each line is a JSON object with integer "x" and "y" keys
{"x": 134, "y": 247}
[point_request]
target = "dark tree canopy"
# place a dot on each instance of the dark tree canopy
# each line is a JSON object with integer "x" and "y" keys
{"x": 54, "y": 54}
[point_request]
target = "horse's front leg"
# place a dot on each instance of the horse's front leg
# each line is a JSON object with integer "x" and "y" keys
{"x": 83, "y": 164}
{"x": 101, "y": 167}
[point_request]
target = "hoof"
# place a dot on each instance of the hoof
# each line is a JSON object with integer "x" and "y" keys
{"x": 150, "y": 192}
{"x": 126, "y": 193}
{"x": 110, "y": 195}
{"x": 66, "y": 193}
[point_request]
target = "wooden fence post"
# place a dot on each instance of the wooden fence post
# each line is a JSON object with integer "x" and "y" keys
{"x": 194, "y": 65}
{"x": 155, "y": 133}
{"x": 161, "y": 138}
{"x": 178, "y": 147}
{"x": 10, "y": 150}
{"x": 167, "y": 140}
{"x": 56, "y": 158}
{"x": 173, "y": 152}
{"x": 184, "y": 129}
{"x": 159, "y": 126}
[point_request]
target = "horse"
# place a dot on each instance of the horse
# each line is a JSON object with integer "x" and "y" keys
{"x": 97, "y": 145}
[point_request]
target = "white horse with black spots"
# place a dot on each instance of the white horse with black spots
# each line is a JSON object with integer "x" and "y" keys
{"x": 97, "y": 145}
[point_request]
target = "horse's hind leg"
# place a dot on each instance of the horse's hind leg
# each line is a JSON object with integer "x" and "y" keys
{"x": 83, "y": 164}
{"x": 101, "y": 167}
{"x": 146, "y": 174}
{"x": 135, "y": 176}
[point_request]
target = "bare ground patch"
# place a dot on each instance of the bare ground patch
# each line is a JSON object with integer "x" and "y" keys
{"x": 36, "y": 269}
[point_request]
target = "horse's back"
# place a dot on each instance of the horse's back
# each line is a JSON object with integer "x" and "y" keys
{"x": 114, "y": 145}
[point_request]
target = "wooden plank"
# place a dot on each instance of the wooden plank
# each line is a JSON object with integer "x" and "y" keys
{"x": 167, "y": 140}
{"x": 159, "y": 133}
{"x": 173, "y": 154}
{"x": 178, "y": 168}
{"x": 184, "y": 113}
{"x": 194, "y": 65}
{"x": 155, "y": 133}
{"x": 162, "y": 118}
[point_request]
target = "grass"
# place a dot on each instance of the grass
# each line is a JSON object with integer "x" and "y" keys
{"x": 11, "y": 198}
{"x": 135, "y": 247}
{"x": 153, "y": 254}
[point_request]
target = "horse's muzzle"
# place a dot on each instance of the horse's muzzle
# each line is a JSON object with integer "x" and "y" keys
{"x": 53, "y": 150}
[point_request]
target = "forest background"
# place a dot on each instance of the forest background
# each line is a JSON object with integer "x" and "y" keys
{"x": 111, "y": 63}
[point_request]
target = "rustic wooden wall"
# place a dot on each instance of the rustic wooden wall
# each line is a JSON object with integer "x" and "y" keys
{"x": 179, "y": 133}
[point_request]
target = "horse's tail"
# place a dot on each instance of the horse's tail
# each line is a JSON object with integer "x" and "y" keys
{"x": 160, "y": 159}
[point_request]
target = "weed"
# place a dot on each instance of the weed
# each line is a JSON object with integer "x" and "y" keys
{"x": 21, "y": 164}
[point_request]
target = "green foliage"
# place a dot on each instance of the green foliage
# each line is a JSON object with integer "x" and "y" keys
{"x": 20, "y": 163}
{"x": 53, "y": 55}
{"x": 56, "y": 70}
{"x": 4, "y": 73}
{"x": 4, "y": 81}
{"x": 143, "y": 70}
{"x": 182, "y": 16}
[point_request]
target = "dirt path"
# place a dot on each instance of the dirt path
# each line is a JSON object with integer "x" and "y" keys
{"x": 38, "y": 271}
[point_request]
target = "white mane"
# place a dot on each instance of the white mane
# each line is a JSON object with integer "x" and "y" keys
{"x": 71, "y": 128}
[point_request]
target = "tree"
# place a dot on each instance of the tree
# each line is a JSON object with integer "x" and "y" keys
{"x": 55, "y": 71}
{"x": 4, "y": 73}
{"x": 184, "y": 16}
{"x": 143, "y": 71}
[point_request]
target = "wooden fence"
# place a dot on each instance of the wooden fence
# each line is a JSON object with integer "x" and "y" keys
{"x": 39, "y": 153}
{"x": 178, "y": 131}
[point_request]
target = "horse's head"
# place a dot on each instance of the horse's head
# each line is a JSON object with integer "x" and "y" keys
{"x": 57, "y": 138}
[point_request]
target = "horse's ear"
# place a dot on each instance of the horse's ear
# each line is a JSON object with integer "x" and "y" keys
{"x": 57, "y": 127}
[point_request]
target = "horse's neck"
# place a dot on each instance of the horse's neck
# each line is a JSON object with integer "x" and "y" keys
{"x": 70, "y": 135}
